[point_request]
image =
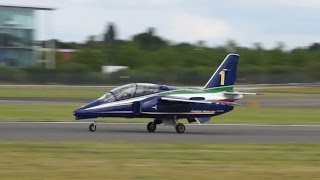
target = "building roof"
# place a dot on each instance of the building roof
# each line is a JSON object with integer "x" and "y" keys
{"x": 28, "y": 7}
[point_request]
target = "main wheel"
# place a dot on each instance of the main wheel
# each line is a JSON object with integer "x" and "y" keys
{"x": 92, "y": 127}
{"x": 180, "y": 128}
{"x": 151, "y": 127}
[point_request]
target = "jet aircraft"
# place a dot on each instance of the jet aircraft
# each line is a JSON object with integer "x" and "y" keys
{"x": 168, "y": 104}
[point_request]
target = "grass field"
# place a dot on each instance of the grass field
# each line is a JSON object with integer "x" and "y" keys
{"x": 63, "y": 112}
{"x": 37, "y": 160}
{"x": 89, "y": 92}
{"x": 125, "y": 160}
{"x": 52, "y": 92}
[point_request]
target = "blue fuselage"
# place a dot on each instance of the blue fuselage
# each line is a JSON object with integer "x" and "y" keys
{"x": 148, "y": 106}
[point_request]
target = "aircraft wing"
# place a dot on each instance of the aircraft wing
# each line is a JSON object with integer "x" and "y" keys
{"x": 197, "y": 101}
{"x": 185, "y": 100}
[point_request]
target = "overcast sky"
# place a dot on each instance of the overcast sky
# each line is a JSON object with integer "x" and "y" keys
{"x": 294, "y": 22}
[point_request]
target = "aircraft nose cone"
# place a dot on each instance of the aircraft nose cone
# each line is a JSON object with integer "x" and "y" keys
{"x": 84, "y": 114}
{"x": 78, "y": 113}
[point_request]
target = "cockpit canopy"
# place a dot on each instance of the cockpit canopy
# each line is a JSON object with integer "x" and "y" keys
{"x": 132, "y": 90}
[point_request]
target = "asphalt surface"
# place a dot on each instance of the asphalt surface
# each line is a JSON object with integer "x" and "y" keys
{"x": 137, "y": 133}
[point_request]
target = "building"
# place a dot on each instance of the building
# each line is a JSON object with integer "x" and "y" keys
{"x": 17, "y": 35}
{"x": 62, "y": 55}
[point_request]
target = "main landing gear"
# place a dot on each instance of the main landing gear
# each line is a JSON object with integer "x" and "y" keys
{"x": 152, "y": 126}
{"x": 93, "y": 127}
{"x": 180, "y": 128}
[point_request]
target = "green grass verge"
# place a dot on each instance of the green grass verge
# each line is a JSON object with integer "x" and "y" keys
{"x": 37, "y": 112}
{"x": 125, "y": 160}
{"x": 63, "y": 112}
{"x": 51, "y": 93}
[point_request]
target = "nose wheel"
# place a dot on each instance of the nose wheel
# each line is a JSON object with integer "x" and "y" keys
{"x": 92, "y": 127}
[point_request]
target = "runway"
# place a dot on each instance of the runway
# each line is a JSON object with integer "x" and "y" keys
{"x": 73, "y": 131}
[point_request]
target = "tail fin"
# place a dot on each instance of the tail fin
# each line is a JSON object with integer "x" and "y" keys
{"x": 226, "y": 74}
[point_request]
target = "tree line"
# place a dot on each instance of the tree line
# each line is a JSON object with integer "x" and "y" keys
{"x": 152, "y": 58}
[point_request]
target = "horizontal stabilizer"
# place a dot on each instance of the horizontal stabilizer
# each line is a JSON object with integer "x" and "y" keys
{"x": 235, "y": 93}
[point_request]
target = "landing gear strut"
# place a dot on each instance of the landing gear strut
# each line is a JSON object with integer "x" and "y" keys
{"x": 93, "y": 127}
{"x": 180, "y": 128}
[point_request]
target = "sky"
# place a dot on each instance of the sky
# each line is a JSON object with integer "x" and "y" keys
{"x": 293, "y": 22}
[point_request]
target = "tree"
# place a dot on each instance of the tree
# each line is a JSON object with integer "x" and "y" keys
{"x": 314, "y": 47}
{"x": 280, "y": 46}
{"x": 231, "y": 46}
{"x": 109, "y": 40}
{"x": 148, "y": 40}
{"x": 91, "y": 42}
{"x": 110, "y": 34}
{"x": 257, "y": 46}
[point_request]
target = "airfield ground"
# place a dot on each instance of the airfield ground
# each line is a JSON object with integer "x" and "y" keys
{"x": 63, "y": 112}
{"x": 131, "y": 160}
{"x": 278, "y": 105}
{"x": 114, "y": 159}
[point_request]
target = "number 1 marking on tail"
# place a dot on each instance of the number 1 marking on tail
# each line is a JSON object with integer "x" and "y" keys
{"x": 222, "y": 77}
